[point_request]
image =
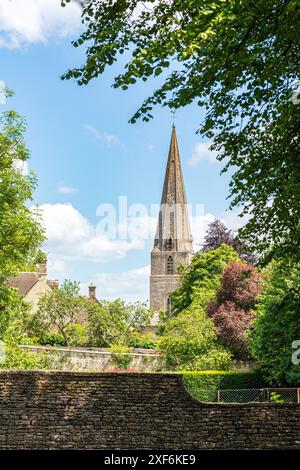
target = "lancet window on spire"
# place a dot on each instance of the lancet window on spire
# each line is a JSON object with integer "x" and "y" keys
{"x": 169, "y": 244}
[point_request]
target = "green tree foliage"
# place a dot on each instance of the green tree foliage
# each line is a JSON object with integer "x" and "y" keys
{"x": 20, "y": 229}
{"x": 201, "y": 279}
{"x": 189, "y": 337}
{"x": 189, "y": 342}
{"x": 117, "y": 322}
{"x": 238, "y": 60}
{"x": 143, "y": 339}
{"x": 108, "y": 323}
{"x": 67, "y": 318}
{"x": 18, "y": 358}
{"x": 14, "y": 331}
{"x": 277, "y": 324}
{"x": 204, "y": 384}
{"x": 59, "y": 312}
{"x": 120, "y": 356}
{"x": 12, "y": 307}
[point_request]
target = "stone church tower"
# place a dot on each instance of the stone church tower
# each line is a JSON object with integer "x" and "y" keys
{"x": 173, "y": 239}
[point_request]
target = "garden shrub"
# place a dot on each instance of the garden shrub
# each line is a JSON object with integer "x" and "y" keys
{"x": 143, "y": 340}
{"x": 189, "y": 341}
{"x": 119, "y": 356}
{"x": 212, "y": 380}
{"x": 52, "y": 339}
{"x": 17, "y": 358}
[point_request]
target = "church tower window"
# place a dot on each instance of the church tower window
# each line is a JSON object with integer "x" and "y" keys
{"x": 170, "y": 265}
{"x": 169, "y": 244}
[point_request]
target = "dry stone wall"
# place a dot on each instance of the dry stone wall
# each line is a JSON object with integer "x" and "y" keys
{"x": 88, "y": 359}
{"x": 69, "y": 410}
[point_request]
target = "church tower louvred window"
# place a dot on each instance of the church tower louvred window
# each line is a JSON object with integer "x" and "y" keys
{"x": 170, "y": 265}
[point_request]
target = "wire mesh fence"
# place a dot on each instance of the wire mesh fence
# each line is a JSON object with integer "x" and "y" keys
{"x": 284, "y": 395}
{"x": 240, "y": 396}
{"x": 250, "y": 395}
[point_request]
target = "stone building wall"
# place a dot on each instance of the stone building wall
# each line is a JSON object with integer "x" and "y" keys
{"x": 36, "y": 292}
{"x": 101, "y": 360}
{"x": 92, "y": 359}
{"x": 160, "y": 289}
{"x": 162, "y": 284}
{"x": 59, "y": 410}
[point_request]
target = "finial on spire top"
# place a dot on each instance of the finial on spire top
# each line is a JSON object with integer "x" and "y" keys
{"x": 173, "y": 112}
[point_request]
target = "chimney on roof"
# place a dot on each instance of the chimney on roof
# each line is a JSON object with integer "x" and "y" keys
{"x": 92, "y": 292}
{"x": 42, "y": 269}
{"x": 53, "y": 284}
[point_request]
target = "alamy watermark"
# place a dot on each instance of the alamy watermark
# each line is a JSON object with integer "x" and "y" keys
{"x": 296, "y": 353}
{"x": 296, "y": 92}
{"x": 139, "y": 221}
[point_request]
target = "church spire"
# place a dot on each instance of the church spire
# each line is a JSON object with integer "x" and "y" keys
{"x": 173, "y": 190}
{"x": 173, "y": 241}
{"x": 173, "y": 230}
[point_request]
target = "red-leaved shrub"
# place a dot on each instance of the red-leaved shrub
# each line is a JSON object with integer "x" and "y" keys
{"x": 232, "y": 311}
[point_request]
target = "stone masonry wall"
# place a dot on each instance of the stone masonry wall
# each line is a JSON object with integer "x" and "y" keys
{"x": 161, "y": 283}
{"x": 84, "y": 359}
{"x": 60, "y": 410}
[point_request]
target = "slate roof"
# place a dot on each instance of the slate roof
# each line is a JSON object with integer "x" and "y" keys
{"x": 24, "y": 282}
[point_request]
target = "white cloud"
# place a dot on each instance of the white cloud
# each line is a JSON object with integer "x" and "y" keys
{"x": 232, "y": 220}
{"x": 65, "y": 189}
{"x": 58, "y": 268}
{"x": 202, "y": 153}
{"x": 130, "y": 285}
{"x": 71, "y": 237}
{"x": 110, "y": 140}
{"x": 199, "y": 225}
{"x": 29, "y": 21}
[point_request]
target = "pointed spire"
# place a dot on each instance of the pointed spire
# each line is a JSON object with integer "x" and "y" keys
{"x": 173, "y": 231}
{"x": 173, "y": 190}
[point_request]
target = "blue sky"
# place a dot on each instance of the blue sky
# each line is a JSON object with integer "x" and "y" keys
{"x": 85, "y": 153}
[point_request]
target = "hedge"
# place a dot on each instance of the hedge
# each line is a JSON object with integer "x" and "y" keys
{"x": 211, "y": 380}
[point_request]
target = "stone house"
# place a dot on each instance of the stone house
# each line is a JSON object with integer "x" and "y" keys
{"x": 33, "y": 285}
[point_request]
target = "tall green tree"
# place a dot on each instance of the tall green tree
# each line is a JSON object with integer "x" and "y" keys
{"x": 236, "y": 59}
{"x": 12, "y": 309}
{"x": 189, "y": 341}
{"x": 202, "y": 278}
{"x": 116, "y": 321}
{"x": 20, "y": 230}
{"x": 60, "y": 312}
{"x": 277, "y": 324}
